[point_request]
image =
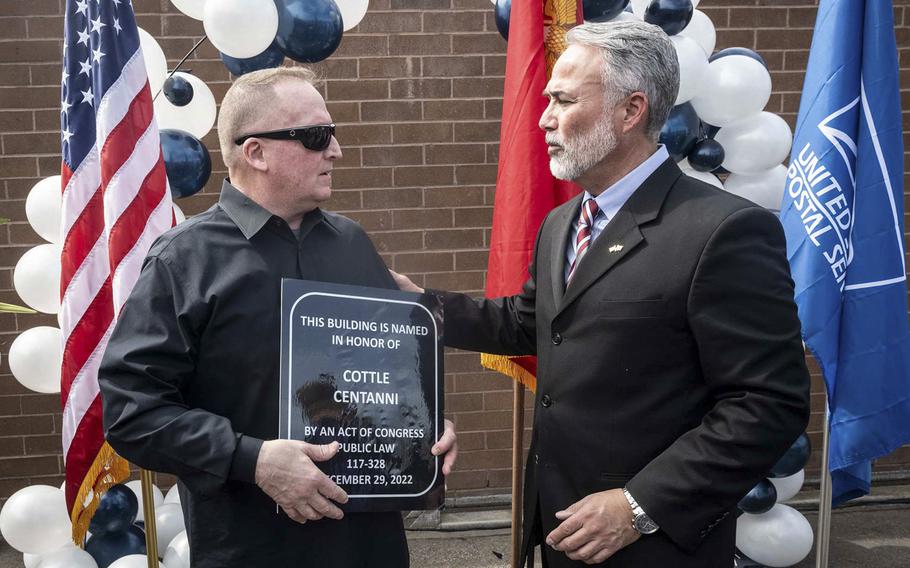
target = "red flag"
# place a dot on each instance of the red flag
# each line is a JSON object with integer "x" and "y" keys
{"x": 525, "y": 189}
{"x": 115, "y": 204}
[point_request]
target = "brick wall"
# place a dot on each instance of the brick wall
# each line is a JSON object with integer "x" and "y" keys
{"x": 416, "y": 90}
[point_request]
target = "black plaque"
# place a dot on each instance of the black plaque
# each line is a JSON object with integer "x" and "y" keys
{"x": 364, "y": 367}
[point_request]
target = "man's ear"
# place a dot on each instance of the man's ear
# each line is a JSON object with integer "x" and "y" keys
{"x": 637, "y": 107}
{"x": 254, "y": 154}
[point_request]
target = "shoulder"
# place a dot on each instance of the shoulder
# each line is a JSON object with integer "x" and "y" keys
{"x": 188, "y": 236}
{"x": 707, "y": 206}
{"x": 344, "y": 225}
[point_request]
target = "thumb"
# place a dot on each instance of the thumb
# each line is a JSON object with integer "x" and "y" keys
{"x": 320, "y": 452}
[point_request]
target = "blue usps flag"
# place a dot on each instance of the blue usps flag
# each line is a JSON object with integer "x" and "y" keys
{"x": 843, "y": 215}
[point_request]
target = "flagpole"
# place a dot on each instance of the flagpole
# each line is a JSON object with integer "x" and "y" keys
{"x": 148, "y": 509}
{"x": 824, "y": 502}
{"x": 518, "y": 419}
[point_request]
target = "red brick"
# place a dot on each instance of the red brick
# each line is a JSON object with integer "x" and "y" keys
{"x": 392, "y": 198}
{"x": 424, "y": 175}
{"x": 466, "y": 282}
{"x": 357, "y": 90}
{"x": 453, "y": 109}
{"x": 392, "y": 156}
{"x": 455, "y": 196}
{"x": 452, "y": 66}
{"x": 388, "y": 67}
{"x": 421, "y": 262}
{"x": 362, "y": 177}
{"x": 390, "y": 111}
{"x": 471, "y": 260}
{"x": 13, "y": 28}
{"x": 422, "y": 132}
{"x": 478, "y": 43}
{"x": 477, "y": 132}
{"x": 358, "y": 45}
{"x": 413, "y": 44}
{"x": 455, "y": 154}
{"x": 43, "y": 445}
{"x": 398, "y": 241}
{"x": 448, "y": 22}
{"x": 25, "y": 466}
{"x": 454, "y": 239}
{"x": 421, "y": 88}
{"x": 422, "y": 219}
{"x": 390, "y": 22}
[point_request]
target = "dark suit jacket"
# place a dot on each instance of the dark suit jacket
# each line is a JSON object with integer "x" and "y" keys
{"x": 672, "y": 364}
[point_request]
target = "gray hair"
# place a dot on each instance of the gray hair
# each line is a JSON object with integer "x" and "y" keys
{"x": 247, "y": 102}
{"x": 637, "y": 56}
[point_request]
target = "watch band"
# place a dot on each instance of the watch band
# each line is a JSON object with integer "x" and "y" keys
{"x": 640, "y": 520}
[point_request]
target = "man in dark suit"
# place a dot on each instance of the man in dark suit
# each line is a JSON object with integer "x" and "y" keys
{"x": 671, "y": 375}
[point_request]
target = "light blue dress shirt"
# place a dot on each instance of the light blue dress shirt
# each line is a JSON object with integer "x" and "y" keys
{"x": 611, "y": 200}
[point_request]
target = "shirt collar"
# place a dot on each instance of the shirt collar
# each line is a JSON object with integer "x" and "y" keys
{"x": 249, "y": 216}
{"x": 611, "y": 200}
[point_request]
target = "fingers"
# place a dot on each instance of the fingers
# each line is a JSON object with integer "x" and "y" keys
{"x": 566, "y": 528}
{"x": 601, "y": 556}
{"x": 325, "y": 508}
{"x": 328, "y": 489}
{"x": 308, "y": 512}
{"x": 320, "y": 453}
{"x": 586, "y": 553}
{"x": 294, "y": 514}
{"x": 448, "y": 445}
{"x": 571, "y": 509}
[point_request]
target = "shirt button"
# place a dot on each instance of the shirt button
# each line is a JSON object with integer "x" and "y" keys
{"x": 557, "y": 338}
{"x": 546, "y": 401}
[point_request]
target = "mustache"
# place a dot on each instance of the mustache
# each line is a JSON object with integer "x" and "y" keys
{"x": 553, "y": 140}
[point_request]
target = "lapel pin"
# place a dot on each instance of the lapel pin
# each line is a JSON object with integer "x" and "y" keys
{"x": 615, "y": 248}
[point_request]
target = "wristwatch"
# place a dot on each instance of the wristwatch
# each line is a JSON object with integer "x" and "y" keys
{"x": 640, "y": 520}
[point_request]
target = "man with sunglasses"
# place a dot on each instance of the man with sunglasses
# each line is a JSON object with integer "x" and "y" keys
{"x": 189, "y": 380}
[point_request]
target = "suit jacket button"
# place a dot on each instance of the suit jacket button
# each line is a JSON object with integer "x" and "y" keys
{"x": 546, "y": 401}
{"x": 557, "y": 338}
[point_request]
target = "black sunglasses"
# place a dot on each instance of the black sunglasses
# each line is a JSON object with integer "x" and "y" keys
{"x": 316, "y": 137}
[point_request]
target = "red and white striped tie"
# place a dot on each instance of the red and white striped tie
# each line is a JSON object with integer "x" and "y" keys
{"x": 589, "y": 211}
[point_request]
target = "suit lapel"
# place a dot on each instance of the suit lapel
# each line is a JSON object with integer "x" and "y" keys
{"x": 562, "y": 225}
{"x": 621, "y": 235}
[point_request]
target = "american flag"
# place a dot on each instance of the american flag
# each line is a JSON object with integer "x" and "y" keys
{"x": 115, "y": 203}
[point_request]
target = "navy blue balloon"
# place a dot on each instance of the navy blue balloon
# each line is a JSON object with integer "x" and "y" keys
{"x": 738, "y": 51}
{"x": 178, "y": 90}
{"x": 108, "y": 548}
{"x": 760, "y": 499}
{"x": 116, "y": 512}
{"x": 671, "y": 15}
{"x": 794, "y": 459}
{"x": 709, "y": 130}
{"x": 186, "y": 161}
{"x": 602, "y": 10}
{"x": 681, "y": 130}
{"x": 706, "y": 156}
{"x": 503, "y": 13}
{"x": 308, "y": 30}
{"x": 271, "y": 57}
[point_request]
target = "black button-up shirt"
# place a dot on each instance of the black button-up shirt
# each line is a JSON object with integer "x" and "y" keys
{"x": 190, "y": 377}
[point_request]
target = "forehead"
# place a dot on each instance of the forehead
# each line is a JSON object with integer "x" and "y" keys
{"x": 577, "y": 69}
{"x": 298, "y": 103}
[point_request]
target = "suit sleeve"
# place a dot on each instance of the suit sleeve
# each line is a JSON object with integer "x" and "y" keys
{"x": 502, "y": 326}
{"x": 744, "y": 321}
{"x": 150, "y": 357}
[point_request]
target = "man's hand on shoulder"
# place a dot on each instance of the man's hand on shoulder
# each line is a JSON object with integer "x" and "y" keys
{"x": 287, "y": 473}
{"x": 594, "y": 528}
{"x": 404, "y": 283}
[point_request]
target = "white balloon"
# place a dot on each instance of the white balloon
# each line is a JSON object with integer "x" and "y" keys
{"x": 31, "y": 560}
{"x": 178, "y": 552}
{"x": 693, "y": 64}
{"x": 42, "y": 208}
{"x": 35, "y": 358}
{"x": 639, "y": 7}
{"x": 352, "y": 11}
{"x": 35, "y": 520}
{"x": 706, "y": 177}
{"x": 241, "y": 28}
{"x": 734, "y": 87}
{"x": 155, "y": 61}
{"x": 197, "y": 117}
{"x": 788, "y": 487}
{"x": 192, "y": 8}
{"x": 179, "y": 215}
{"x": 169, "y": 523}
{"x": 136, "y": 487}
{"x": 172, "y": 495}
{"x": 755, "y": 144}
{"x": 37, "y": 278}
{"x": 67, "y": 557}
{"x": 133, "y": 561}
{"x": 701, "y": 29}
{"x": 766, "y": 189}
{"x": 781, "y": 537}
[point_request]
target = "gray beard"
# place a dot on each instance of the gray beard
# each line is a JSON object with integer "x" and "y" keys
{"x": 583, "y": 152}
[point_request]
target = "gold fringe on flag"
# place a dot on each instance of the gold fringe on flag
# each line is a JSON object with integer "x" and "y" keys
{"x": 559, "y": 16}
{"x": 506, "y": 366}
{"x": 107, "y": 470}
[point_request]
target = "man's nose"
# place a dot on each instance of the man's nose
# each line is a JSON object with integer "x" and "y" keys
{"x": 333, "y": 152}
{"x": 547, "y": 121}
